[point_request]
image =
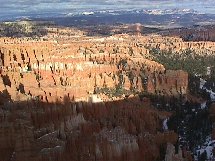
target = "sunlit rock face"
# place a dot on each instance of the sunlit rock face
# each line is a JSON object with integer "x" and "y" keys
{"x": 50, "y": 69}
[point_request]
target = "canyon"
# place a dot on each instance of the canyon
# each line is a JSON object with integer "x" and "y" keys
{"x": 68, "y": 96}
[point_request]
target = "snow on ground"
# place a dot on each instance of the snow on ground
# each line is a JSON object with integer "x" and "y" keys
{"x": 212, "y": 94}
{"x": 88, "y": 13}
{"x": 47, "y": 135}
{"x": 203, "y": 105}
{"x": 208, "y": 146}
{"x": 96, "y": 99}
{"x": 201, "y": 86}
{"x": 202, "y": 83}
{"x": 165, "y": 126}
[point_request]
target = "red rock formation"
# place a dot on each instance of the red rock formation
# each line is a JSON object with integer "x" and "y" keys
{"x": 50, "y": 109}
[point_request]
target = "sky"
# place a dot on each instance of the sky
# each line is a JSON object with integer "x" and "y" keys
{"x": 10, "y": 8}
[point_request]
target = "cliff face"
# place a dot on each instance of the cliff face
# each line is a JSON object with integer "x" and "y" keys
{"x": 50, "y": 70}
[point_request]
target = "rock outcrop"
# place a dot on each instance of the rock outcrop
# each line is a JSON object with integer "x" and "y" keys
{"x": 49, "y": 70}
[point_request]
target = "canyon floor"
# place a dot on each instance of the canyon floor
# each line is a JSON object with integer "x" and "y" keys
{"x": 65, "y": 96}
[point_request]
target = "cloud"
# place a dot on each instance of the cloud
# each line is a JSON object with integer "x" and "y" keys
{"x": 91, "y": 2}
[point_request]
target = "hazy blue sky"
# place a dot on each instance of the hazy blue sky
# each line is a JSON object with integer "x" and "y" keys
{"x": 26, "y": 7}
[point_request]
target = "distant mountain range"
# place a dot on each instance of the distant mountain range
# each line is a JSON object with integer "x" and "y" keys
{"x": 153, "y": 18}
{"x": 145, "y": 11}
{"x": 167, "y": 18}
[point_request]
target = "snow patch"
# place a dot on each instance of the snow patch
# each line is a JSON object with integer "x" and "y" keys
{"x": 88, "y": 13}
{"x": 202, "y": 83}
{"x": 208, "y": 147}
{"x": 165, "y": 126}
{"x": 96, "y": 99}
{"x": 203, "y": 105}
{"x": 201, "y": 86}
{"x": 212, "y": 94}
